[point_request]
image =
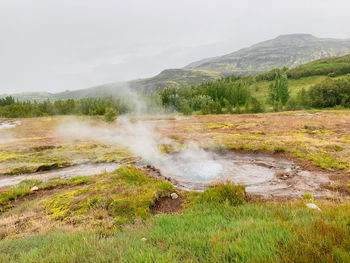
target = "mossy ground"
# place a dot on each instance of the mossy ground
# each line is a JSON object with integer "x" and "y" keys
{"x": 216, "y": 226}
{"x": 103, "y": 218}
{"x": 102, "y": 202}
{"x": 321, "y": 137}
{"x": 36, "y": 143}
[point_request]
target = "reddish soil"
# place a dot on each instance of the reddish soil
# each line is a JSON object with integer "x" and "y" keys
{"x": 167, "y": 205}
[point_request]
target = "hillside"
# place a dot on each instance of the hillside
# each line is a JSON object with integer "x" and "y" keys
{"x": 284, "y": 51}
{"x": 175, "y": 77}
{"x": 169, "y": 77}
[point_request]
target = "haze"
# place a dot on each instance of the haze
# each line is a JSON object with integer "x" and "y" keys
{"x": 57, "y": 45}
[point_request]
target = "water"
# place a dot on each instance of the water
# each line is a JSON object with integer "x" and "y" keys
{"x": 64, "y": 173}
{"x": 9, "y": 124}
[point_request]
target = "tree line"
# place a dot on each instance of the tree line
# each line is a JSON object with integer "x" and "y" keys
{"x": 227, "y": 95}
{"x": 11, "y": 108}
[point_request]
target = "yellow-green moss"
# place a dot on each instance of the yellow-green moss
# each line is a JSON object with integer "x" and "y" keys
{"x": 124, "y": 194}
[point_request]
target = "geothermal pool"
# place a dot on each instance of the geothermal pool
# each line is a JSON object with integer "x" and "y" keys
{"x": 263, "y": 175}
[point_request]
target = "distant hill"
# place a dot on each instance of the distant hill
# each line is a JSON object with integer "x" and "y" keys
{"x": 175, "y": 77}
{"x": 283, "y": 51}
{"x": 169, "y": 77}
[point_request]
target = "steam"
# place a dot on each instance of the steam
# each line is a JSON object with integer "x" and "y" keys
{"x": 190, "y": 163}
{"x": 5, "y": 138}
{"x": 137, "y": 103}
{"x": 4, "y": 127}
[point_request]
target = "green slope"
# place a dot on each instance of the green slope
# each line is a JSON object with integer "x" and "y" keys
{"x": 283, "y": 51}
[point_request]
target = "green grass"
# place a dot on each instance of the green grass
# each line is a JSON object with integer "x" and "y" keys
{"x": 203, "y": 233}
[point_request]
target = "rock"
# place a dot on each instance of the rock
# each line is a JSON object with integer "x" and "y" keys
{"x": 144, "y": 239}
{"x": 34, "y": 188}
{"x": 174, "y": 196}
{"x": 313, "y": 206}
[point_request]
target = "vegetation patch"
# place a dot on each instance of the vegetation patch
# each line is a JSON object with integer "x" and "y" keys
{"x": 223, "y": 194}
{"x": 122, "y": 195}
{"x": 202, "y": 233}
{"x": 24, "y": 188}
{"x": 336, "y": 148}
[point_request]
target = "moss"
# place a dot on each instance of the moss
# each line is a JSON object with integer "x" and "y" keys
{"x": 125, "y": 194}
{"x": 79, "y": 180}
{"x": 222, "y": 194}
{"x": 131, "y": 175}
{"x": 60, "y": 207}
{"x": 336, "y": 148}
{"x": 326, "y": 161}
{"x": 17, "y": 191}
{"x": 24, "y": 188}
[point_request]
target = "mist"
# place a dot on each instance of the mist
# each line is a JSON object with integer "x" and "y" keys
{"x": 188, "y": 163}
{"x": 68, "y": 45}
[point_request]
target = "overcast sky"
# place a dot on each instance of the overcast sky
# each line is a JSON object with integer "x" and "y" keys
{"x": 56, "y": 45}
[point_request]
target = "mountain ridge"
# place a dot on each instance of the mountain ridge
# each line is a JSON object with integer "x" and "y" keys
{"x": 289, "y": 50}
{"x": 283, "y": 51}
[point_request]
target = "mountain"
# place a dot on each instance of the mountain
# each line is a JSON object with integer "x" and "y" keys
{"x": 283, "y": 51}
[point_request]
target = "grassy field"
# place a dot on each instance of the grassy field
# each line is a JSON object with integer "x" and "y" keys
{"x": 127, "y": 216}
{"x": 258, "y": 90}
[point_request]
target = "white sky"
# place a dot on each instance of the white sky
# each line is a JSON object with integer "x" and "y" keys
{"x": 55, "y": 45}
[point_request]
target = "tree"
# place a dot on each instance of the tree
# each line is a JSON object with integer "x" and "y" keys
{"x": 228, "y": 106}
{"x": 110, "y": 115}
{"x": 278, "y": 90}
{"x": 283, "y": 91}
{"x": 303, "y": 98}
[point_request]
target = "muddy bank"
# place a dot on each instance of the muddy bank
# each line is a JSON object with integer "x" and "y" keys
{"x": 68, "y": 172}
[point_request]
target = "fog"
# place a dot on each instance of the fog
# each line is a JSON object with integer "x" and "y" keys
{"x": 55, "y": 45}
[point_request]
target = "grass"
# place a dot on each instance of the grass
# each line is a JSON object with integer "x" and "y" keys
{"x": 203, "y": 233}
{"x": 259, "y": 89}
